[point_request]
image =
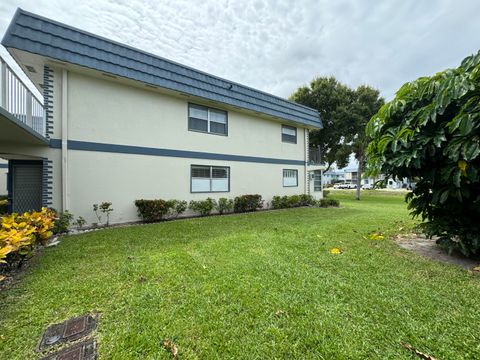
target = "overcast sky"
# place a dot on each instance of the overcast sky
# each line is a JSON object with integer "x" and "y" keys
{"x": 277, "y": 46}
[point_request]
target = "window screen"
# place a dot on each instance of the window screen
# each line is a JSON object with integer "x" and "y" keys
{"x": 205, "y": 119}
{"x": 289, "y": 134}
{"x": 290, "y": 177}
{"x": 210, "y": 179}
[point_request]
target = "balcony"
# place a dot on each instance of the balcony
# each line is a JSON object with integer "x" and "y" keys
{"x": 19, "y": 105}
{"x": 315, "y": 159}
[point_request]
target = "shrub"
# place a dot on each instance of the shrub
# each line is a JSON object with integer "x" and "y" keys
{"x": 105, "y": 208}
{"x": 3, "y": 206}
{"x": 80, "y": 222}
{"x": 152, "y": 210}
{"x": 279, "y": 202}
{"x": 247, "y": 203}
{"x": 224, "y": 205}
{"x": 19, "y": 233}
{"x": 326, "y": 193}
{"x": 62, "y": 222}
{"x": 203, "y": 207}
{"x": 282, "y": 202}
{"x": 176, "y": 207}
{"x": 430, "y": 132}
{"x": 328, "y": 203}
{"x": 306, "y": 200}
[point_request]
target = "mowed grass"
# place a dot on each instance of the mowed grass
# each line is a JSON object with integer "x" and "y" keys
{"x": 214, "y": 286}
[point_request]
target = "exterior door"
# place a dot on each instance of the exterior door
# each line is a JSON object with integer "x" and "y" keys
{"x": 26, "y": 185}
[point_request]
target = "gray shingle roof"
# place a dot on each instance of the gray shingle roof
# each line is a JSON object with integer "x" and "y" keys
{"x": 35, "y": 34}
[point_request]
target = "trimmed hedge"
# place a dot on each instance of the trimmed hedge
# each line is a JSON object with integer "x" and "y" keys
{"x": 203, "y": 207}
{"x": 328, "y": 203}
{"x": 152, "y": 210}
{"x": 247, "y": 203}
{"x": 283, "y": 202}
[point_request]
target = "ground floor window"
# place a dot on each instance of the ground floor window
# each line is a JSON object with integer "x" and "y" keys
{"x": 209, "y": 178}
{"x": 290, "y": 177}
{"x": 317, "y": 181}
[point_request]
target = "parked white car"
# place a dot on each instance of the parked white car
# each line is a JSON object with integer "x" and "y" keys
{"x": 345, "y": 186}
{"x": 367, "y": 187}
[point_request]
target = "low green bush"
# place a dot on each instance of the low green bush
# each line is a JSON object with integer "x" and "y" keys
{"x": 62, "y": 222}
{"x": 224, "y": 205}
{"x": 328, "y": 203}
{"x": 152, "y": 210}
{"x": 279, "y": 202}
{"x": 283, "y": 202}
{"x": 247, "y": 203}
{"x": 326, "y": 193}
{"x": 203, "y": 207}
{"x": 176, "y": 207}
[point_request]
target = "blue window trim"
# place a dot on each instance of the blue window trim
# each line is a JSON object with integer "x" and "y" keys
{"x": 140, "y": 150}
{"x": 208, "y": 108}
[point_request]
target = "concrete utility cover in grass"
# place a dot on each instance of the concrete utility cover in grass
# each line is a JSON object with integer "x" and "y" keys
{"x": 67, "y": 331}
{"x": 86, "y": 350}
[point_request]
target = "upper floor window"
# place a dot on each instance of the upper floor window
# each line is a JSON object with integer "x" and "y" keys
{"x": 205, "y": 119}
{"x": 209, "y": 178}
{"x": 289, "y": 134}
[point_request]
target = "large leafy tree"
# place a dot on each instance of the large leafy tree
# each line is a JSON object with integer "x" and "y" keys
{"x": 345, "y": 113}
{"x": 431, "y": 132}
{"x": 332, "y": 99}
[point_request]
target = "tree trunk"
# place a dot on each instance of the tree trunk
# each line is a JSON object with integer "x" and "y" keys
{"x": 359, "y": 176}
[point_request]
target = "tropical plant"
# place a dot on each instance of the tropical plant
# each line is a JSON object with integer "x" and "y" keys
{"x": 19, "y": 232}
{"x": 430, "y": 132}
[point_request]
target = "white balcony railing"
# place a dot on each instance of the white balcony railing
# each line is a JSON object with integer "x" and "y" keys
{"x": 18, "y": 100}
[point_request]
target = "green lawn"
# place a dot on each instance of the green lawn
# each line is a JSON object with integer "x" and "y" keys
{"x": 214, "y": 285}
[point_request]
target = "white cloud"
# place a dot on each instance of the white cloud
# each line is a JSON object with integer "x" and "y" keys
{"x": 277, "y": 46}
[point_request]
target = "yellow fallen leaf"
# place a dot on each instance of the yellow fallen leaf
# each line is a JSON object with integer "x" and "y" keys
{"x": 376, "y": 236}
{"x": 476, "y": 268}
{"x": 335, "y": 250}
{"x": 2, "y": 277}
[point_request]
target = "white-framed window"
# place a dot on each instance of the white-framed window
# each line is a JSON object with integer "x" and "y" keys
{"x": 289, "y": 134}
{"x": 209, "y": 178}
{"x": 290, "y": 177}
{"x": 208, "y": 120}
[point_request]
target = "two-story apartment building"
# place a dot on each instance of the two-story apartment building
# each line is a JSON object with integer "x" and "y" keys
{"x": 118, "y": 124}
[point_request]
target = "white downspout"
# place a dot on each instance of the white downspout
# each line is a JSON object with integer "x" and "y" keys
{"x": 64, "y": 140}
{"x": 307, "y": 183}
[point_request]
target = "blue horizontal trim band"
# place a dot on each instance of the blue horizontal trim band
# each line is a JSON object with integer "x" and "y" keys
{"x": 140, "y": 150}
{"x": 3, "y": 166}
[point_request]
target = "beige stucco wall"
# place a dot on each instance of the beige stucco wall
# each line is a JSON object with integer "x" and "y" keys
{"x": 123, "y": 178}
{"x": 105, "y": 111}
